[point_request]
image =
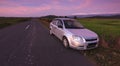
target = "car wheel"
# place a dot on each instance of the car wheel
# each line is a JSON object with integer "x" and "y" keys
{"x": 65, "y": 42}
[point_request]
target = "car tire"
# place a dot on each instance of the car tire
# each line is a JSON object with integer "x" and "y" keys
{"x": 65, "y": 42}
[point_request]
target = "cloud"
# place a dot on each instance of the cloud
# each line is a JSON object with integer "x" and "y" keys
{"x": 8, "y": 3}
{"x": 57, "y": 6}
{"x": 94, "y": 7}
{"x": 85, "y": 4}
{"x": 64, "y": 7}
{"x": 22, "y": 10}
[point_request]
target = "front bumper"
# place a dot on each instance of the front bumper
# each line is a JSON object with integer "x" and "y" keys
{"x": 86, "y": 45}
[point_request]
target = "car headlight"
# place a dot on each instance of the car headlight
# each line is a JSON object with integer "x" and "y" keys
{"x": 78, "y": 39}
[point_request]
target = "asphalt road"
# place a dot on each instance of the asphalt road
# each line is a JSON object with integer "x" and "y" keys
{"x": 29, "y": 44}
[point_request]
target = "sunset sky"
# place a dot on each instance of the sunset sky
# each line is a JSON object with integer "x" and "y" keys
{"x": 36, "y": 8}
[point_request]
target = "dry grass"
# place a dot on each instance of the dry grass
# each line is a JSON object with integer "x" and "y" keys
{"x": 7, "y": 21}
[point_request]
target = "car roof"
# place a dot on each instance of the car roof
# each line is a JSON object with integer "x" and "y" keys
{"x": 64, "y": 18}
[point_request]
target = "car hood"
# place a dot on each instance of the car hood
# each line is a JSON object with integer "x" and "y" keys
{"x": 86, "y": 33}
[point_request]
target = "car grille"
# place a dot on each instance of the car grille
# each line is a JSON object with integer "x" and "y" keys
{"x": 91, "y": 39}
{"x": 91, "y": 45}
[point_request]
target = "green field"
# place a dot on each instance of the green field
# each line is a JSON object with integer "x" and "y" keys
{"x": 108, "y": 52}
{"x": 107, "y": 29}
{"x": 103, "y": 26}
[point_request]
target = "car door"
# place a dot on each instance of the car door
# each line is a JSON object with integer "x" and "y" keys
{"x": 59, "y": 31}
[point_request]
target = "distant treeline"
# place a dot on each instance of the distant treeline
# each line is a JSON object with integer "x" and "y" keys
{"x": 49, "y": 18}
{"x": 112, "y": 16}
{"x": 75, "y": 17}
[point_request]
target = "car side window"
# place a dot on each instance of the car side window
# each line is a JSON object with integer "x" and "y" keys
{"x": 59, "y": 23}
{"x": 54, "y": 22}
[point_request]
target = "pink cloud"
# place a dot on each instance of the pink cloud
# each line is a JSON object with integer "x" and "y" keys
{"x": 72, "y": 0}
{"x": 21, "y": 10}
{"x": 35, "y": 7}
{"x": 90, "y": 8}
{"x": 8, "y": 3}
{"x": 18, "y": 9}
{"x": 85, "y": 4}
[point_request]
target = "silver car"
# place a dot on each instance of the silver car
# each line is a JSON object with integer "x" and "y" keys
{"x": 73, "y": 34}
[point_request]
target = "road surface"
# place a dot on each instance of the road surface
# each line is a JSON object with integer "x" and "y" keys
{"x": 29, "y": 44}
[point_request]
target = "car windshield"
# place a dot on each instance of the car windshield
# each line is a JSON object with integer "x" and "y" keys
{"x": 72, "y": 24}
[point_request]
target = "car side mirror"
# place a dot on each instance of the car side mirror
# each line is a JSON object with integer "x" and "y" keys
{"x": 60, "y": 26}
